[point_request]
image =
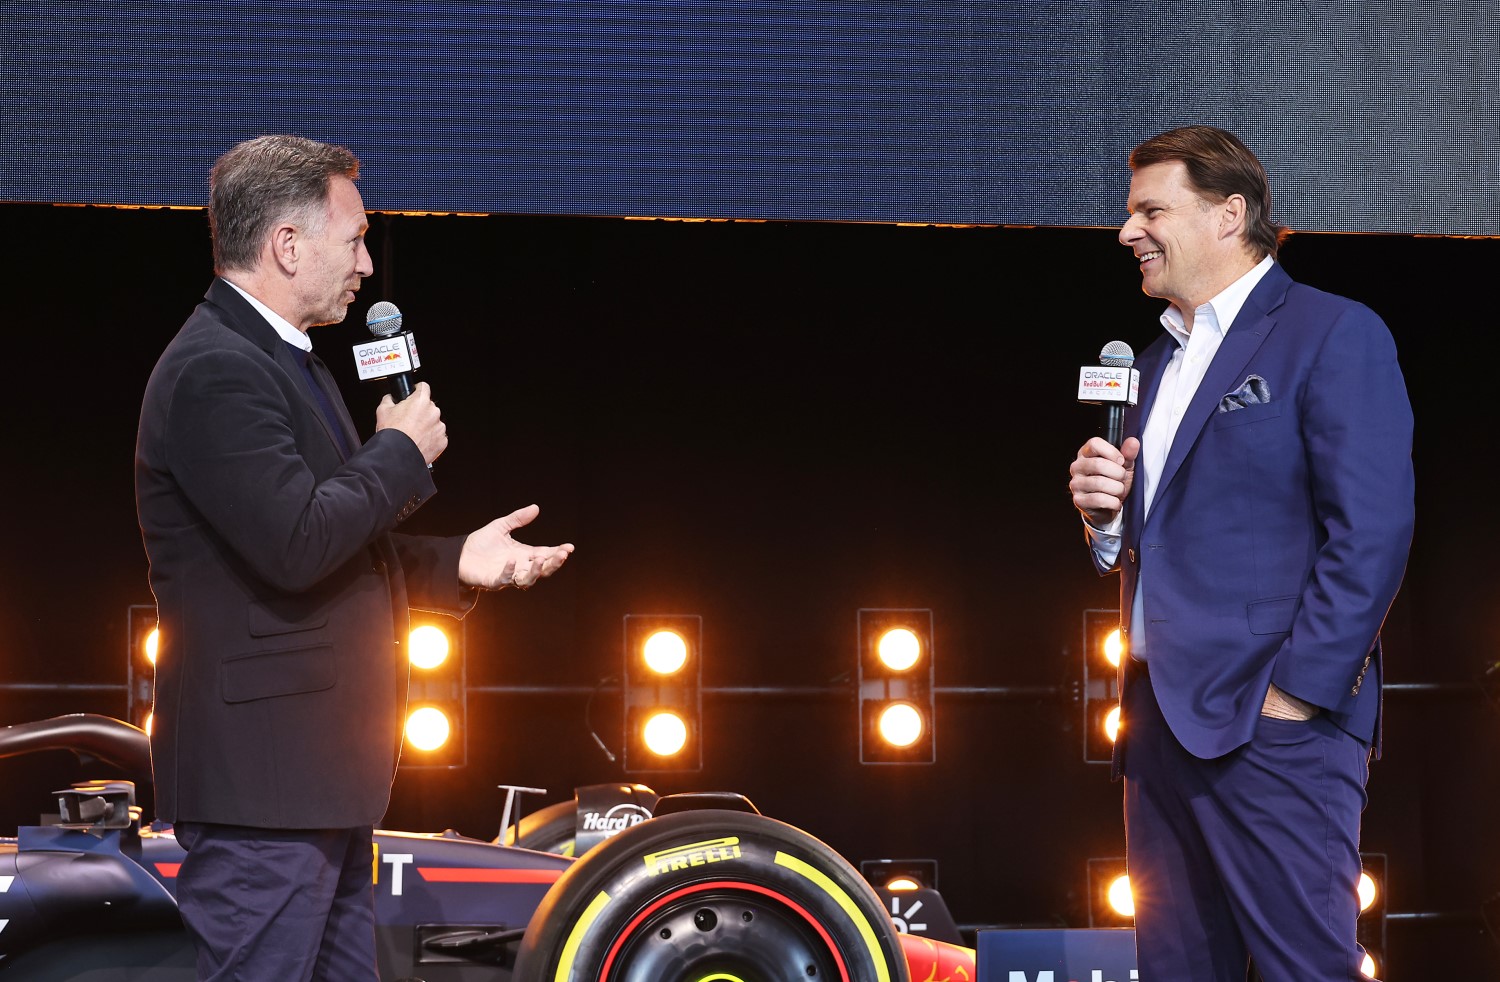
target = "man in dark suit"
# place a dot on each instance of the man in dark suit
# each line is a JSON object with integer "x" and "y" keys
{"x": 282, "y": 591}
{"x": 1260, "y": 511}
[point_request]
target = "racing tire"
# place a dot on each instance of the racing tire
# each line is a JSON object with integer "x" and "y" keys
{"x": 711, "y": 896}
{"x": 550, "y": 829}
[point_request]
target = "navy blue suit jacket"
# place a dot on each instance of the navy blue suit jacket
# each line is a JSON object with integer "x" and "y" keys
{"x": 1278, "y": 531}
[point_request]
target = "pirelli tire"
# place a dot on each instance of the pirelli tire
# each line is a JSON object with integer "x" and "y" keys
{"x": 711, "y": 896}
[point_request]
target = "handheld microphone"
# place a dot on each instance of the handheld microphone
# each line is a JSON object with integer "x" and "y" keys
{"x": 1112, "y": 384}
{"x": 392, "y": 354}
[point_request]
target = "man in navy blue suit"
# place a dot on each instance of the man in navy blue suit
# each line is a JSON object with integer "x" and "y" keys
{"x": 1259, "y": 511}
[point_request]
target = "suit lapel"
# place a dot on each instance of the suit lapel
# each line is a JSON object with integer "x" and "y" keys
{"x": 331, "y": 389}
{"x": 1249, "y": 331}
{"x": 1152, "y": 364}
{"x": 287, "y": 360}
{"x": 245, "y": 320}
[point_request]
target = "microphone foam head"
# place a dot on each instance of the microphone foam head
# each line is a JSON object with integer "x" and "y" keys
{"x": 385, "y": 318}
{"x": 1116, "y": 354}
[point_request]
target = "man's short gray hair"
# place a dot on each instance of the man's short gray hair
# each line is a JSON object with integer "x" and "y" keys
{"x": 268, "y": 180}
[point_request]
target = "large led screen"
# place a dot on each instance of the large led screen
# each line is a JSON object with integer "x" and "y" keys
{"x": 1370, "y": 116}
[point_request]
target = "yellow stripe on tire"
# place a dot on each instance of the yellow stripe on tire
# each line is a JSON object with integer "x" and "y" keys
{"x": 821, "y": 880}
{"x": 576, "y": 936}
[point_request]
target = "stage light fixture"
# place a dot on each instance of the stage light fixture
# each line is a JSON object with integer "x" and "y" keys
{"x": 663, "y": 711}
{"x": 895, "y": 684}
{"x": 142, "y": 646}
{"x": 1111, "y": 724}
{"x": 665, "y": 652}
{"x": 428, "y": 728}
{"x": 1119, "y": 897}
{"x": 429, "y": 647}
{"x": 898, "y": 875}
{"x": 1103, "y": 649}
{"x": 900, "y": 724}
{"x": 1370, "y": 928}
{"x": 1113, "y": 647}
{"x": 665, "y": 734}
{"x": 1367, "y": 891}
{"x": 436, "y": 728}
{"x": 1111, "y": 902}
{"x": 898, "y": 649}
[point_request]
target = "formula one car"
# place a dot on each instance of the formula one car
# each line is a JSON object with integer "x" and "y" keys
{"x": 706, "y": 889}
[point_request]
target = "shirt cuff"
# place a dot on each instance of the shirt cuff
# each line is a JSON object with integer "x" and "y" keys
{"x": 1106, "y": 541}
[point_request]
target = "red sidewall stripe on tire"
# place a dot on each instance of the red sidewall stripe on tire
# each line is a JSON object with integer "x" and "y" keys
{"x": 688, "y": 891}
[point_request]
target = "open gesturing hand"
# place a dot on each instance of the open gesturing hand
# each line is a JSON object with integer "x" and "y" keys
{"x": 492, "y": 560}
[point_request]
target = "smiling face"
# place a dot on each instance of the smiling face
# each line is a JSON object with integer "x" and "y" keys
{"x": 333, "y": 258}
{"x": 1189, "y": 248}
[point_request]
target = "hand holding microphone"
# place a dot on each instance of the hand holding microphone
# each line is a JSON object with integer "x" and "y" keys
{"x": 1101, "y": 476}
{"x": 418, "y": 417}
{"x": 391, "y": 354}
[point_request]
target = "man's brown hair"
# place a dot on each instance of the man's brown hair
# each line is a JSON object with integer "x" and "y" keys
{"x": 1219, "y": 165}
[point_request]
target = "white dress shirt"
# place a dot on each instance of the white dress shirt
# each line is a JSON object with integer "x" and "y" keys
{"x": 288, "y": 333}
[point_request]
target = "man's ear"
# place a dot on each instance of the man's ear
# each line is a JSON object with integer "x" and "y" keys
{"x": 285, "y": 247}
{"x": 1232, "y": 214}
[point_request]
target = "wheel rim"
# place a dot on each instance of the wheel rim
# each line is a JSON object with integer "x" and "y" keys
{"x": 724, "y": 931}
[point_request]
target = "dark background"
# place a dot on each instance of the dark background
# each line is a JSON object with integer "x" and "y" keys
{"x": 771, "y": 425}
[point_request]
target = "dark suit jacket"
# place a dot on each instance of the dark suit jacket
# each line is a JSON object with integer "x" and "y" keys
{"x": 281, "y": 593}
{"x": 1279, "y": 531}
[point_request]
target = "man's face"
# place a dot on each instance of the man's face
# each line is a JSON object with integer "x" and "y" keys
{"x": 1175, "y": 234}
{"x": 336, "y": 260}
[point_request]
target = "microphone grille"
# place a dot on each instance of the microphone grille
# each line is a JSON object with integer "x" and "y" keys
{"x": 385, "y": 318}
{"x": 1116, "y": 354}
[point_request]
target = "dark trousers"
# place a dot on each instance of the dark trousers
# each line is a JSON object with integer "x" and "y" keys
{"x": 279, "y": 905}
{"x": 1251, "y": 855}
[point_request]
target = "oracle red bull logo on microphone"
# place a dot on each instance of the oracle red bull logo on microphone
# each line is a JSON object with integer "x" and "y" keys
{"x": 1101, "y": 383}
{"x": 384, "y": 357}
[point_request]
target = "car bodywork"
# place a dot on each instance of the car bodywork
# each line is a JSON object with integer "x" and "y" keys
{"x": 708, "y": 889}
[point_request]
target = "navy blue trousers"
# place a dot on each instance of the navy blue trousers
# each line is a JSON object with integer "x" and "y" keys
{"x": 1251, "y": 855}
{"x": 279, "y": 905}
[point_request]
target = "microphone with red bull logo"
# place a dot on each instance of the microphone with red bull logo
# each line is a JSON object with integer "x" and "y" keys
{"x": 1113, "y": 384}
{"x": 390, "y": 354}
